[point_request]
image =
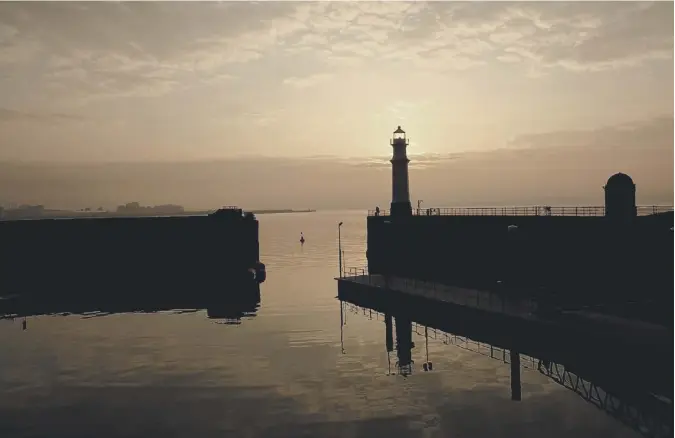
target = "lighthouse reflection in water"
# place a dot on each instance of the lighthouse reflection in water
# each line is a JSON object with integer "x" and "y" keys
{"x": 400, "y": 346}
{"x": 404, "y": 343}
{"x": 399, "y": 325}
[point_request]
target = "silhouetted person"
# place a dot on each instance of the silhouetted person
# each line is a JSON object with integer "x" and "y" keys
{"x": 377, "y": 211}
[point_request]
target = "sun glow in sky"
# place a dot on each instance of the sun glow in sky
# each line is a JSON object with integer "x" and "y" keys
{"x": 183, "y": 80}
{"x": 497, "y": 98}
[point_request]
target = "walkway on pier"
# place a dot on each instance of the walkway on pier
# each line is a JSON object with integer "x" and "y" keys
{"x": 481, "y": 300}
{"x": 496, "y": 303}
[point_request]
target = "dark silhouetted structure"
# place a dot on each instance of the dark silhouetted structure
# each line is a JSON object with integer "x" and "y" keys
{"x": 53, "y": 256}
{"x": 400, "y": 194}
{"x": 620, "y": 199}
{"x": 616, "y": 259}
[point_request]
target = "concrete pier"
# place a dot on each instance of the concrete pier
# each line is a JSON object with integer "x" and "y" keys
{"x": 508, "y": 305}
{"x": 50, "y": 256}
{"x": 566, "y": 337}
{"x": 479, "y": 299}
{"x": 581, "y": 260}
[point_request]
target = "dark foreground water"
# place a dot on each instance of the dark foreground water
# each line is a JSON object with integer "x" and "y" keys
{"x": 282, "y": 373}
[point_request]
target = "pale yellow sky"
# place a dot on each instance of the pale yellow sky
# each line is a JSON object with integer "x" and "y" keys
{"x": 493, "y": 95}
{"x": 106, "y": 81}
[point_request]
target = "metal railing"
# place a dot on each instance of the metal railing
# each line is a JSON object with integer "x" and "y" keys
{"x": 523, "y": 211}
{"x": 651, "y": 418}
{"x": 355, "y": 272}
{"x": 646, "y": 210}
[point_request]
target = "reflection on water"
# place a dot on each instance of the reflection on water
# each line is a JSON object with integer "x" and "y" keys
{"x": 280, "y": 374}
{"x": 232, "y": 303}
{"x": 637, "y": 408}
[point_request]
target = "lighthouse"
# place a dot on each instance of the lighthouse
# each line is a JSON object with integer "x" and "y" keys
{"x": 400, "y": 195}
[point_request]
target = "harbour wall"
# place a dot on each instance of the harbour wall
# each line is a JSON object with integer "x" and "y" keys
{"x": 39, "y": 256}
{"x": 580, "y": 260}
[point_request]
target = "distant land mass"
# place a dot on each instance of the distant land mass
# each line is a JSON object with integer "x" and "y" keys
{"x": 133, "y": 209}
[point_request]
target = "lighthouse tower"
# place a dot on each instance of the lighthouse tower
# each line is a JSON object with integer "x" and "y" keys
{"x": 400, "y": 195}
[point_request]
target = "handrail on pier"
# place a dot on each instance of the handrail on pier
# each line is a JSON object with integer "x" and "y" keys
{"x": 355, "y": 272}
{"x": 523, "y": 211}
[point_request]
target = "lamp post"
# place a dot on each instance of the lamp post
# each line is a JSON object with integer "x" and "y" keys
{"x": 340, "y": 248}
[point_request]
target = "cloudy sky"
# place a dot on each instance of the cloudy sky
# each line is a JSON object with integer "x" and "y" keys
{"x": 170, "y": 81}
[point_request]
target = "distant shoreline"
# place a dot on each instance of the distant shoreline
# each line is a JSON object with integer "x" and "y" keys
{"x": 69, "y": 214}
{"x": 280, "y": 211}
{"x": 309, "y": 210}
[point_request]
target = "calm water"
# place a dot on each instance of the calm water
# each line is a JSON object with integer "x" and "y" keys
{"x": 281, "y": 373}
